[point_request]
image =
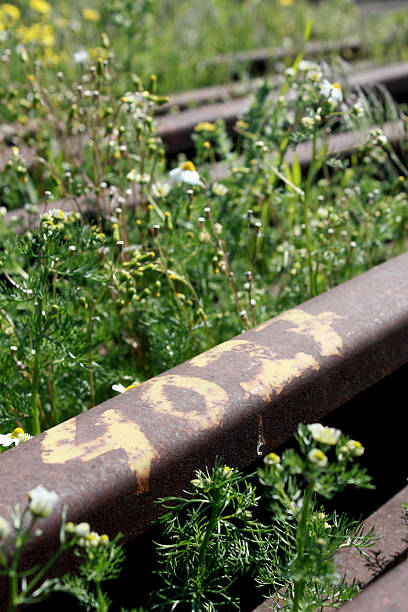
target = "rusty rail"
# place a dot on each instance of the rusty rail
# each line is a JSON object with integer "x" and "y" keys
{"x": 238, "y": 400}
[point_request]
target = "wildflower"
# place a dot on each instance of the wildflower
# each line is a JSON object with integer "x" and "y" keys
{"x": 318, "y": 457}
{"x": 42, "y": 501}
{"x": 69, "y": 527}
{"x": 16, "y": 437}
{"x": 227, "y": 471}
{"x": 307, "y": 122}
{"x": 81, "y": 56}
{"x": 92, "y": 539}
{"x": 82, "y": 530}
{"x": 41, "y": 6}
{"x": 306, "y": 66}
{"x": 286, "y": 2}
{"x": 4, "y": 528}
{"x": 186, "y": 173}
{"x": 219, "y": 189}
{"x": 205, "y": 126}
{"x": 196, "y": 482}
{"x": 358, "y": 109}
{"x": 104, "y": 539}
{"x": 9, "y": 14}
{"x": 160, "y": 190}
{"x": 137, "y": 177}
{"x": 377, "y": 137}
{"x": 355, "y": 447}
{"x": 90, "y": 14}
{"x": 272, "y": 459}
{"x": 325, "y": 435}
{"x": 314, "y": 76}
{"x": 331, "y": 91}
{"x": 121, "y": 388}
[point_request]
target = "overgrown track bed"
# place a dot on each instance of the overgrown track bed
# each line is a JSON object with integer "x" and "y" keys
{"x": 239, "y": 401}
{"x": 344, "y": 144}
{"x": 176, "y": 129}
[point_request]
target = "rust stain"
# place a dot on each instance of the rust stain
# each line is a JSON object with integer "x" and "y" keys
{"x": 215, "y": 399}
{"x": 59, "y": 446}
{"x": 273, "y": 374}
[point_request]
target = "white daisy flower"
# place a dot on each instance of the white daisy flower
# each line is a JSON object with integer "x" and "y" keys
{"x": 219, "y": 189}
{"x": 121, "y": 388}
{"x": 160, "y": 190}
{"x": 186, "y": 173}
{"x": 325, "y": 435}
{"x": 318, "y": 457}
{"x": 81, "y": 56}
{"x": 331, "y": 91}
{"x": 16, "y": 437}
{"x": 42, "y": 502}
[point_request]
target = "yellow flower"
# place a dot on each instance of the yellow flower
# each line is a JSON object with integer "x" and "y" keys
{"x": 205, "y": 126}
{"x": 286, "y": 2}
{"x": 41, "y": 6}
{"x": 90, "y": 14}
{"x": 41, "y": 33}
{"x": 9, "y": 14}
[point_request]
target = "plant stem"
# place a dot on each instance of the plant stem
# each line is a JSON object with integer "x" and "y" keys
{"x": 306, "y": 206}
{"x": 102, "y": 606}
{"x": 300, "y": 541}
{"x": 36, "y": 429}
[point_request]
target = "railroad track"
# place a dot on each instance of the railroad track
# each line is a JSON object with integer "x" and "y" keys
{"x": 239, "y": 402}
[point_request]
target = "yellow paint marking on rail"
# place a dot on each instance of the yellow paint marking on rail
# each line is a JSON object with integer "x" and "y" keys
{"x": 117, "y": 434}
{"x": 273, "y": 374}
{"x": 213, "y": 398}
{"x": 319, "y": 327}
{"x": 213, "y": 354}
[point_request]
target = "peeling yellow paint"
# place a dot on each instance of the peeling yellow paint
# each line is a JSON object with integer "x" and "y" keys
{"x": 272, "y": 374}
{"x": 319, "y": 327}
{"x": 213, "y": 354}
{"x": 117, "y": 433}
{"x": 214, "y": 398}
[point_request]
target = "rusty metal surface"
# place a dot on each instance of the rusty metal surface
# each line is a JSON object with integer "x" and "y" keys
{"x": 388, "y": 594}
{"x": 238, "y": 400}
{"x": 392, "y": 546}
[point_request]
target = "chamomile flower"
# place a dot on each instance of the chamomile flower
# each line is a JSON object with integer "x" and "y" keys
{"x": 318, "y": 457}
{"x": 81, "y": 56}
{"x": 186, "y": 173}
{"x": 331, "y": 91}
{"x": 307, "y": 122}
{"x": 160, "y": 190}
{"x": 121, "y": 388}
{"x": 355, "y": 448}
{"x": 219, "y": 189}
{"x": 16, "y": 437}
{"x": 324, "y": 435}
{"x": 358, "y": 109}
{"x": 41, "y": 502}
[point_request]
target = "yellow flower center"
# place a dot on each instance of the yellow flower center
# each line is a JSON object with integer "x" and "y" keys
{"x": 336, "y": 86}
{"x": 188, "y": 165}
{"x": 17, "y": 432}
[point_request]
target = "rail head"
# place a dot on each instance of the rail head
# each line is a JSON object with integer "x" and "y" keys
{"x": 238, "y": 401}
